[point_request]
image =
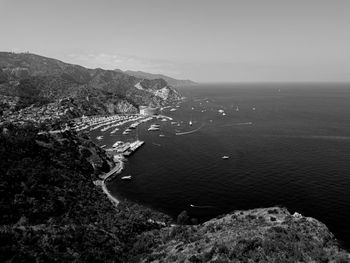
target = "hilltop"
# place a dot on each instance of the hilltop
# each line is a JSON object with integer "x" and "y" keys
{"x": 27, "y": 79}
{"x": 170, "y": 80}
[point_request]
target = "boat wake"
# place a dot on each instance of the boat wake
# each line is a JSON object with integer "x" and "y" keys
{"x": 201, "y": 206}
{"x": 189, "y": 132}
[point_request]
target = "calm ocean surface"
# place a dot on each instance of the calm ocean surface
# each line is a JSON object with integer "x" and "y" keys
{"x": 289, "y": 145}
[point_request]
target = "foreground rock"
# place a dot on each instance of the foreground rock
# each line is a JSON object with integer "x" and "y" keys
{"x": 259, "y": 235}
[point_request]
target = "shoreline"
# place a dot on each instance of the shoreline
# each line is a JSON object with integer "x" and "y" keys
{"x": 105, "y": 177}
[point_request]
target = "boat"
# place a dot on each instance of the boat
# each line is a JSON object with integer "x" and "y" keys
{"x": 172, "y": 109}
{"x": 114, "y": 131}
{"x": 220, "y": 111}
{"x": 154, "y": 127}
{"x": 105, "y": 128}
{"x": 117, "y": 143}
{"x": 173, "y": 123}
{"x": 190, "y": 123}
{"x": 127, "y": 177}
{"x": 99, "y": 137}
{"x": 237, "y": 109}
{"x": 161, "y": 135}
{"x": 224, "y": 114}
{"x": 225, "y": 157}
{"x": 103, "y": 146}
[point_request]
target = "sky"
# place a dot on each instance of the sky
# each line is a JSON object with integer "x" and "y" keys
{"x": 202, "y": 40}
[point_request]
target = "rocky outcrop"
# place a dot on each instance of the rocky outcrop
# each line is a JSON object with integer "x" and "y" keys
{"x": 259, "y": 235}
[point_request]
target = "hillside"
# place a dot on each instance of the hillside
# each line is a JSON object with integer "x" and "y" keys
{"x": 33, "y": 79}
{"x": 171, "y": 81}
{"x": 50, "y": 209}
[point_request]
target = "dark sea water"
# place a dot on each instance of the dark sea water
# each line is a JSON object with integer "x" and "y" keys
{"x": 293, "y": 150}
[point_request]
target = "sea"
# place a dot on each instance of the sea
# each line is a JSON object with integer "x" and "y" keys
{"x": 286, "y": 144}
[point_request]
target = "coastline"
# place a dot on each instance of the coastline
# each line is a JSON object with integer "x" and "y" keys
{"x": 106, "y": 177}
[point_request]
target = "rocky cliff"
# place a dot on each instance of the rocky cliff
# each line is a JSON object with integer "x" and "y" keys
{"x": 259, "y": 235}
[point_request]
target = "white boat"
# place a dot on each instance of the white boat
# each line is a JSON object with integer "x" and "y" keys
{"x": 224, "y": 114}
{"x": 237, "y": 109}
{"x": 127, "y": 177}
{"x": 220, "y": 111}
{"x": 117, "y": 143}
{"x": 99, "y": 137}
{"x": 114, "y": 131}
{"x": 190, "y": 123}
{"x": 153, "y": 128}
{"x": 161, "y": 135}
{"x": 173, "y": 109}
{"x": 225, "y": 157}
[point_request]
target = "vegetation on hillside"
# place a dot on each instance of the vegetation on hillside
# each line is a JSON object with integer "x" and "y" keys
{"x": 50, "y": 210}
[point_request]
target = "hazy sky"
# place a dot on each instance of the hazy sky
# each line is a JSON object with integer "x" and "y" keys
{"x": 216, "y": 40}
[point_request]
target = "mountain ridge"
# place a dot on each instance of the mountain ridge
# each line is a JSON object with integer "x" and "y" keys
{"x": 35, "y": 79}
{"x": 172, "y": 81}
